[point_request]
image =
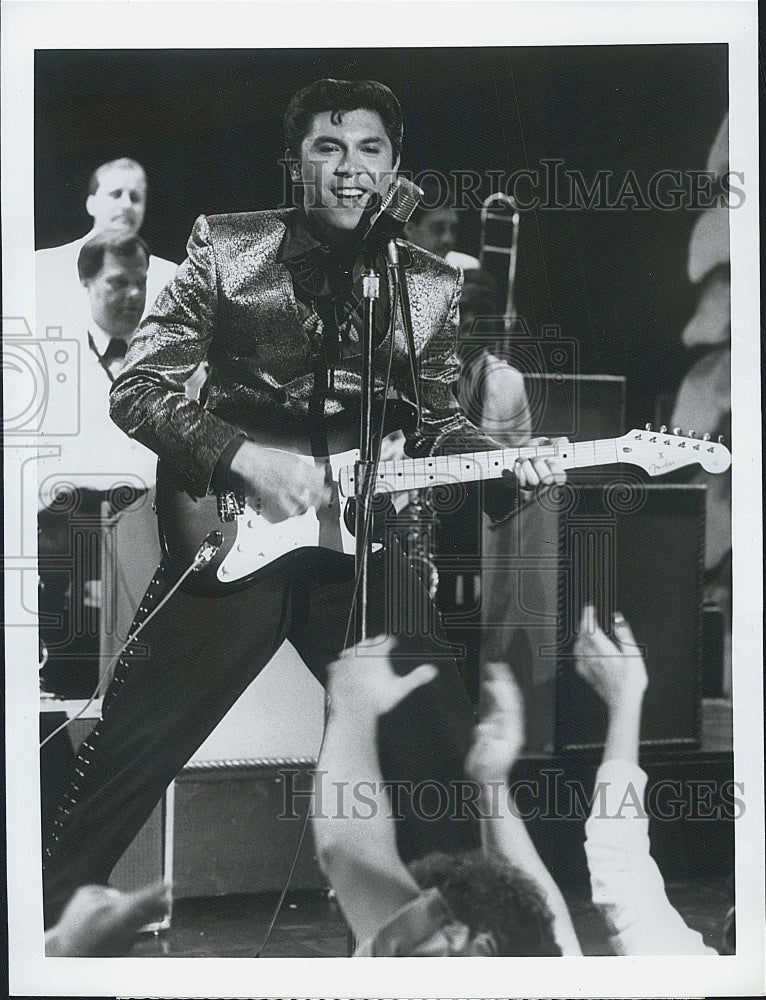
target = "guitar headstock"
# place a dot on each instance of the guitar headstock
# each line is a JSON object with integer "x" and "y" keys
{"x": 662, "y": 451}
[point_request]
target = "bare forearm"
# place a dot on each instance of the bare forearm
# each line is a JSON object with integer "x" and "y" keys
{"x": 354, "y": 832}
{"x": 355, "y": 806}
{"x": 506, "y": 834}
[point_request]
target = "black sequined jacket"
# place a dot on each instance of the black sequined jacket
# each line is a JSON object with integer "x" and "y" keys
{"x": 232, "y": 302}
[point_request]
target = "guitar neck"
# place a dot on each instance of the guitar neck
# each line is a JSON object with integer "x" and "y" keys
{"x": 418, "y": 473}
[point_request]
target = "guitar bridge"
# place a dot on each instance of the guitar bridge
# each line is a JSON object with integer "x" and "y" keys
{"x": 230, "y": 505}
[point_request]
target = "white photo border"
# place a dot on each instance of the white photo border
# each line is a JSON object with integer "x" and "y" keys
{"x": 30, "y": 25}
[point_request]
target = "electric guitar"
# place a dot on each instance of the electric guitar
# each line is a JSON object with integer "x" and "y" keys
{"x": 248, "y": 543}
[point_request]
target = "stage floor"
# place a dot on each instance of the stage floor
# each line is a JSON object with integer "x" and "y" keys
{"x": 310, "y": 924}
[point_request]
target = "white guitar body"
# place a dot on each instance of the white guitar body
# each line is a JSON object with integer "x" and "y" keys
{"x": 260, "y": 542}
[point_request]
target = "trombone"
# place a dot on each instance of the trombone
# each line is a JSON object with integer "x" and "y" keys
{"x": 499, "y": 240}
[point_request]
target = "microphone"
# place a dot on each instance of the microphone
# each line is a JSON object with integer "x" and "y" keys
{"x": 395, "y": 211}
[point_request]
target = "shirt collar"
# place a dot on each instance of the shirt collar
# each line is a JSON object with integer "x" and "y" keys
{"x": 298, "y": 241}
{"x": 101, "y": 338}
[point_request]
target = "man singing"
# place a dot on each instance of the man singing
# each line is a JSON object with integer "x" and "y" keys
{"x": 272, "y": 301}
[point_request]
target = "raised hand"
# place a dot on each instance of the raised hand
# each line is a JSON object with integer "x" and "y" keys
{"x": 278, "y": 484}
{"x": 499, "y": 736}
{"x": 615, "y": 670}
{"x": 365, "y": 675}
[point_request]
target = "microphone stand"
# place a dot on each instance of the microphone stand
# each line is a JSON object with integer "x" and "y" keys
{"x": 396, "y": 208}
{"x": 364, "y": 467}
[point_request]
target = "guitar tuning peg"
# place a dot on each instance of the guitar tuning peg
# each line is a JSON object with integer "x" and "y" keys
{"x": 705, "y": 437}
{"x": 720, "y": 438}
{"x": 663, "y": 429}
{"x": 676, "y": 430}
{"x": 648, "y": 427}
{"x": 692, "y": 434}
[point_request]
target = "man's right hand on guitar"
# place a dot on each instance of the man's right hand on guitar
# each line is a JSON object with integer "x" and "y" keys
{"x": 277, "y": 483}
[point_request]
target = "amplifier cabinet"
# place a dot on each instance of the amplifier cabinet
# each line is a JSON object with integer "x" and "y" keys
{"x": 637, "y": 549}
{"x": 626, "y": 545}
{"x": 580, "y": 407}
{"x": 244, "y": 823}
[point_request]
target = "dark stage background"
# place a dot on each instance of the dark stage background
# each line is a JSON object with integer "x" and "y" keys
{"x": 206, "y": 124}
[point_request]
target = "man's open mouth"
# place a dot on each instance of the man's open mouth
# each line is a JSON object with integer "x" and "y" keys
{"x": 350, "y": 195}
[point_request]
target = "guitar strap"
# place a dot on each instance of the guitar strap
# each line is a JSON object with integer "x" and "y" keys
{"x": 324, "y": 364}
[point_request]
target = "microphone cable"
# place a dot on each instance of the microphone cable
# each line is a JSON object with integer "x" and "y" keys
{"x": 204, "y": 554}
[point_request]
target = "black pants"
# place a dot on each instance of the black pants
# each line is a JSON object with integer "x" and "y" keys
{"x": 193, "y": 661}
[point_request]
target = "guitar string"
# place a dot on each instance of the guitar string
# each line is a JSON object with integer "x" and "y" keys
{"x": 599, "y": 452}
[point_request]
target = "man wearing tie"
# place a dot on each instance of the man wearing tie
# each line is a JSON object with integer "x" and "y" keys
{"x": 273, "y": 300}
{"x": 82, "y": 488}
{"x": 112, "y": 269}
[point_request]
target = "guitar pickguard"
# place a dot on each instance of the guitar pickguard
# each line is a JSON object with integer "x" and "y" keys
{"x": 260, "y": 542}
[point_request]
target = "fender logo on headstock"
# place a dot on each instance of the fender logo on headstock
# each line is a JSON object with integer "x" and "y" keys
{"x": 676, "y": 451}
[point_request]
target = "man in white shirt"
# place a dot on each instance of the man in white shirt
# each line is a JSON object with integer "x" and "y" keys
{"x": 626, "y": 883}
{"x": 116, "y": 201}
{"x": 434, "y": 226}
{"x": 112, "y": 270}
{"x": 99, "y": 482}
{"x": 491, "y": 390}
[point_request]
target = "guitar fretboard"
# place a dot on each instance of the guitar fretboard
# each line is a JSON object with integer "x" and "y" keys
{"x": 418, "y": 473}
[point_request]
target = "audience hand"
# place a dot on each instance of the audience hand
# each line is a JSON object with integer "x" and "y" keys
{"x": 100, "y": 921}
{"x": 615, "y": 670}
{"x": 499, "y": 736}
{"x": 364, "y": 674}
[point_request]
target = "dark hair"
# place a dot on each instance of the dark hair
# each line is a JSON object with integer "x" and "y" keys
{"x": 488, "y": 894}
{"x": 124, "y": 162}
{"x": 339, "y": 96}
{"x": 122, "y": 245}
